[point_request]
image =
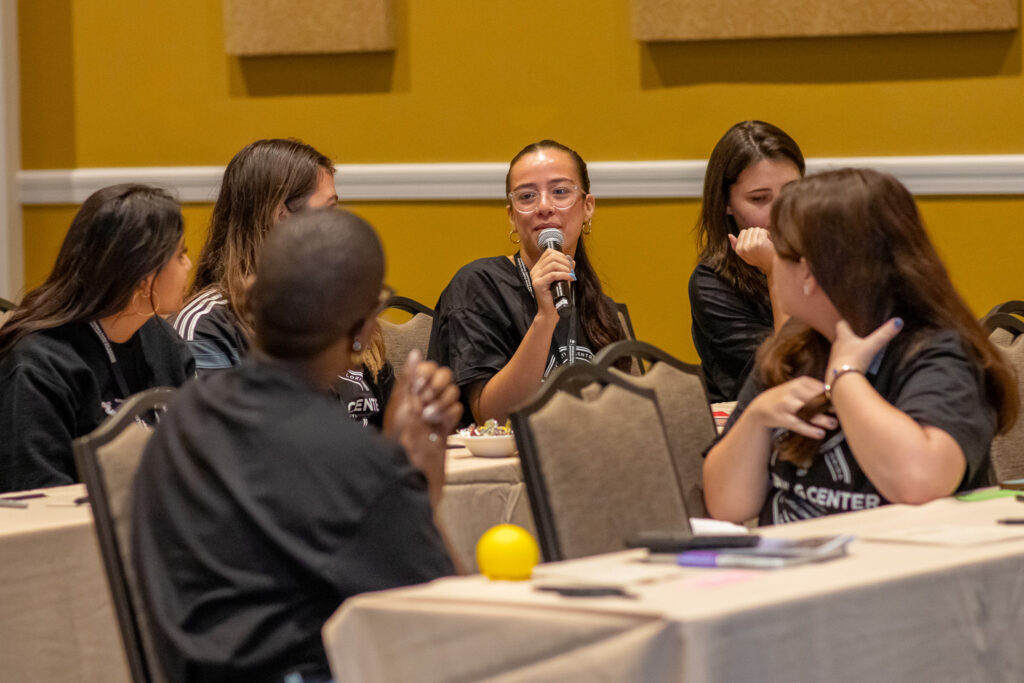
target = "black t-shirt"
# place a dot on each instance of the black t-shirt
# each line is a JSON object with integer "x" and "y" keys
{"x": 58, "y": 384}
{"x": 929, "y": 377}
{"x": 257, "y": 512}
{"x": 364, "y": 396}
{"x": 727, "y": 329}
{"x": 217, "y": 342}
{"x": 480, "y": 320}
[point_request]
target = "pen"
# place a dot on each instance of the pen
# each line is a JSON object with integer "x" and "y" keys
{"x": 81, "y": 499}
{"x": 25, "y": 496}
{"x": 8, "y": 503}
{"x": 1011, "y": 520}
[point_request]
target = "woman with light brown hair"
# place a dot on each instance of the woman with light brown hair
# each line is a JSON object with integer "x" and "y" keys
{"x": 881, "y": 387}
{"x": 264, "y": 183}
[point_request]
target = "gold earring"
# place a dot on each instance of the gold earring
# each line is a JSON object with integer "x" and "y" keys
{"x": 135, "y": 305}
{"x": 588, "y": 227}
{"x": 512, "y": 236}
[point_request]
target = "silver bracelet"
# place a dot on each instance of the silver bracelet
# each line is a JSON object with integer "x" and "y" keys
{"x": 836, "y": 374}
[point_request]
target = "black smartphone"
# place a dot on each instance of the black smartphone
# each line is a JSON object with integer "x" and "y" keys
{"x": 679, "y": 541}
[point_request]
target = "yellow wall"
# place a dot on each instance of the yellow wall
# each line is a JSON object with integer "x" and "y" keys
{"x": 123, "y": 83}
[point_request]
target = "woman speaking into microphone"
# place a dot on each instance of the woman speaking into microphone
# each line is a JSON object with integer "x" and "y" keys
{"x": 496, "y": 323}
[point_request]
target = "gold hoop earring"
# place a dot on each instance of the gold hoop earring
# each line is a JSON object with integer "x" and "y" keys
{"x": 588, "y": 226}
{"x": 512, "y": 235}
{"x": 135, "y": 306}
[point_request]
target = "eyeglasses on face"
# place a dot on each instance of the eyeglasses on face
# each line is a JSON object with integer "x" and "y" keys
{"x": 527, "y": 200}
{"x": 386, "y": 292}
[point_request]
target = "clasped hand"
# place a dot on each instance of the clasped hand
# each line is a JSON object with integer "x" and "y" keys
{"x": 424, "y": 408}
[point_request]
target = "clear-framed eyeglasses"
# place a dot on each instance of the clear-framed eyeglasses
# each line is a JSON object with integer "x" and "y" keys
{"x": 562, "y": 197}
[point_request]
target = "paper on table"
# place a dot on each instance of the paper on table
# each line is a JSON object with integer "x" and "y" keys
{"x": 612, "y": 571}
{"x": 947, "y": 534}
{"x": 702, "y": 526}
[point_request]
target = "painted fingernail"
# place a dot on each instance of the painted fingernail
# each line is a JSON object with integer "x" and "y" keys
{"x": 430, "y": 413}
{"x": 573, "y": 273}
{"x": 898, "y": 322}
{"x": 820, "y": 433}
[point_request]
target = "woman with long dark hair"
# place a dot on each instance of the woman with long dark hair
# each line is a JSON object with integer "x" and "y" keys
{"x": 264, "y": 183}
{"x": 92, "y": 334}
{"x": 881, "y": 387}
{"x": 729, "y": 294}
{"x": 496, "y": 325}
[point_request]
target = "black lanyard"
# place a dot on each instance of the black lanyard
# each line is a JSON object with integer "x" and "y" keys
{"x": 118, "y": 377}
{"x": 524, "y": 273}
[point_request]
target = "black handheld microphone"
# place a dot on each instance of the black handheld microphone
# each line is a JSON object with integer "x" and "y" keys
{"x": 551, "y": 238}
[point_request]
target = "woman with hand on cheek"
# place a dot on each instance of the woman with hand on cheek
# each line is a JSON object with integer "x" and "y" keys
{"x": 496, "y": 325}
{"x": 729, "y": 294}
{"x": 880, "y": 388}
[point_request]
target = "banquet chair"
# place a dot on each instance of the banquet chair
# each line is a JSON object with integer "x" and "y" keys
{"x": 107, "y": 459}
{"x": 401, "y": 338}
{"x": 1007, "y": 452}
{"x": 687, "y": 419}
{"x": 597, "y": 465}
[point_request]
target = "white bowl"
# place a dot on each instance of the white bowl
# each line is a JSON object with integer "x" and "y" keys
{"x": 501, "y": 446}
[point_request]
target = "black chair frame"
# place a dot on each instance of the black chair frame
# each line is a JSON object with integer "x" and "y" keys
{"x": 411, "y": 306}
{"x": 1009, "y": 307}
{"x": 571, "y": 379}
{"x": 90, "y": 471}
{"x": 643, "y": 351}
{"x": 1005, "y": 321}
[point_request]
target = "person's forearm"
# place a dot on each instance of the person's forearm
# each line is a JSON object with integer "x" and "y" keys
{"x": 736, "y": 471}
{"x": 905, "y": 461}
{"x": 514, "y": 384}
{"x": 779, "y": 316}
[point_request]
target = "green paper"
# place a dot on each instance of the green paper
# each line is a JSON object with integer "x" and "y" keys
{"x": 986, "y": 494}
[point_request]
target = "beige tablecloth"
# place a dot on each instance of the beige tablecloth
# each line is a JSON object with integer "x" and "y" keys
{"x": 478, "y": 494}
{"x": 887, "y": 612}
{"x": 57, "y": 622}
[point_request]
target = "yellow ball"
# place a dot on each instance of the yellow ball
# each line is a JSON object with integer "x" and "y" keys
{"x": 507, "y": 552}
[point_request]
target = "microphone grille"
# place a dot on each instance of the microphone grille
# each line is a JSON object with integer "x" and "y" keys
{"x": 551, "y": 235}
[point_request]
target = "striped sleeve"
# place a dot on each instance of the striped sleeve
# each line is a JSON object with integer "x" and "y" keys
{"x": 210, "y": 331}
